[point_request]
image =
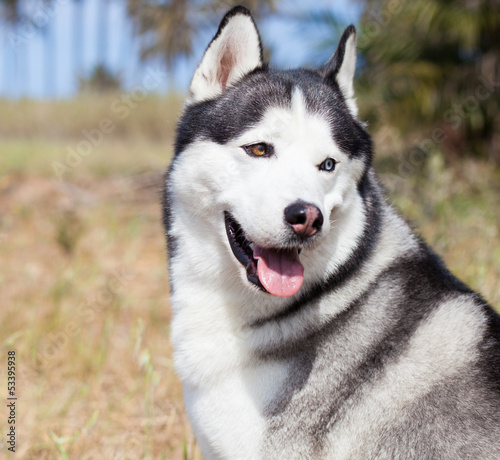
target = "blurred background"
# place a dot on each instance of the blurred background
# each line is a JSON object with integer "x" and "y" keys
{"x": 90, "y": 91}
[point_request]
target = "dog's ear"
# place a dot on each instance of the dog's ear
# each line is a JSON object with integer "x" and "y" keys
{"x": 234, "y": 52}
{"x": 340, "y": 67}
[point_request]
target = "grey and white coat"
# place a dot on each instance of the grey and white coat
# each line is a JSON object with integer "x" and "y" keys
{"x": 367, "y": 347}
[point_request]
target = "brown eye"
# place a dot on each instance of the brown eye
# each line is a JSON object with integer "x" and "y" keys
{"x": 259, "y": 150}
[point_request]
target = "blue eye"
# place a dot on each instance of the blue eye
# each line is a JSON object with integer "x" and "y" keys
{"x": 328, "y": 165}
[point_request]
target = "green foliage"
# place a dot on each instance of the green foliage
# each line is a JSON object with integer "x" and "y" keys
{"x": 10, "y": 10}
{"x": 68, "y": 231}
{"x": 101, "y": 80}
{"x": 433, "y": 66}
{"x": 169, "y": 28}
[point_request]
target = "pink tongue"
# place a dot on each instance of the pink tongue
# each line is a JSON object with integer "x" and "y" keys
{"x": 280, "y": 272}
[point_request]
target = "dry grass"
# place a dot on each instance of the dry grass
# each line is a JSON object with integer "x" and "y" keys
{"x": 85, "y": 306}
{"x": 85, "y": 294}
{"x": 149, "y": 118}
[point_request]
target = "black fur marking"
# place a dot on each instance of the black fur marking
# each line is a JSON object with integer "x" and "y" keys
{"x": 425, "y": 283}
{"x": 167, "y": 212}
{"x": 490, "y": 350}
{"x": 166, "y": 203}
{"x": 235, "y": 111}
{"x": 330, "y": 70}
{"x": 243, "y": 105}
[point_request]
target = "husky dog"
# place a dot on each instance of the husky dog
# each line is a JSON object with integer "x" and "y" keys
{"x": 309, "y": 321}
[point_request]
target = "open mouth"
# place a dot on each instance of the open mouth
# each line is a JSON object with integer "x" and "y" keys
{"x": 276, "y": 271}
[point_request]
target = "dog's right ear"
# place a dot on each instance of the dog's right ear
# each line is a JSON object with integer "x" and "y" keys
{"x": 235, "y": 51}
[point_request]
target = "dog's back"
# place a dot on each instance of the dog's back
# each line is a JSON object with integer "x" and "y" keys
{"x": 308, "y": 320}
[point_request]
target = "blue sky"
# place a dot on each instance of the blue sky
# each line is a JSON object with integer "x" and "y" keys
{"x": 46, "y": 61}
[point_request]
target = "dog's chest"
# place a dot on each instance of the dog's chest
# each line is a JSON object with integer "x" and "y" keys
{"x": 228, "y": 414}
{"x": 225, "y": 419}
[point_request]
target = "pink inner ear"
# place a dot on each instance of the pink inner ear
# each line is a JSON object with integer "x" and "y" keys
{"x": 226, "y": 64}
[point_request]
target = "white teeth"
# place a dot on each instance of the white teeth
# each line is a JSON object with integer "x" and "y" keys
{"x": 251, "y": 245}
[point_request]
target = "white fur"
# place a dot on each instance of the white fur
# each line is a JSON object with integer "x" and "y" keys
{"x": 345, "y": 76}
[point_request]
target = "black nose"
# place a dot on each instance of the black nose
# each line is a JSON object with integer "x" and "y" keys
{"x": 306, "y": 219}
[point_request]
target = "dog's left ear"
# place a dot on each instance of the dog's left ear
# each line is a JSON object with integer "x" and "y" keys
{"x": 340, "y": 67}
{"x": 235, "y": 51}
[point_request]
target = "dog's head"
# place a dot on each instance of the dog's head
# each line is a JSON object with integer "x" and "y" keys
{"x": 267, "y": 161}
